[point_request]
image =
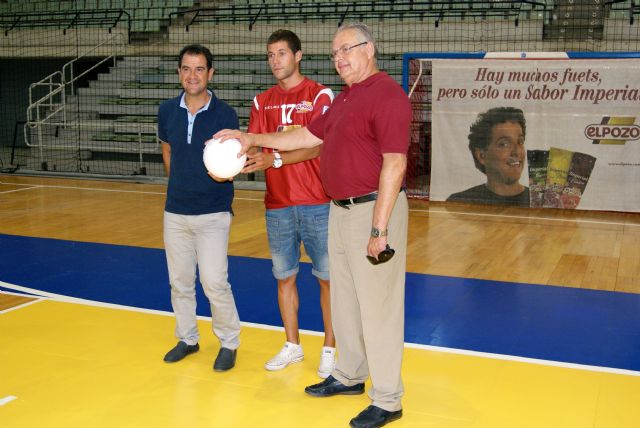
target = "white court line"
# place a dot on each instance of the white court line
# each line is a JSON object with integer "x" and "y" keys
{"x": 18, "y": 294}
{"x": 18, "y": 190}
{"x": 13, "y": 308}
{"x": 95, "y": 189}
{"x": 37, "y": 299}
{"x": 236, "y": 198}
{"x": 67, "y": 299}
{"x": 7, "y": 399}
{"x": 504, "y": 357}
{"x": 32, "y": 186}
{"x": 521, "y": 217}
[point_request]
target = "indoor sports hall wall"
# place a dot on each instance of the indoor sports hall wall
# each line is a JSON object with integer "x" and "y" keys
{"x": 81, "y": 80}
{"x": 575, "y": 116}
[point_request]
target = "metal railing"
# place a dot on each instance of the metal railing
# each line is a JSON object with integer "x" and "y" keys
{"x": 340, "y": 11}
{"x": 46, "y": 105}
{"x": 50, "y": 110}
{"x": 65, "y": 19}
{"x": 117, "y": 49}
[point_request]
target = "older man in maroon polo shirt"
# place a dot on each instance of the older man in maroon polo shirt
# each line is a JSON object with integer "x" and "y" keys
{"x": 365, "y": 137}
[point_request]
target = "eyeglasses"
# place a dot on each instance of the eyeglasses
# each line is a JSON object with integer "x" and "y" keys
{"x": 383, "y": 257}
{"x": 344, "y": 50}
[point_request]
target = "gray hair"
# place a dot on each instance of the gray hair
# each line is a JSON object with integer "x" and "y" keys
{"x": 362, "y": 29}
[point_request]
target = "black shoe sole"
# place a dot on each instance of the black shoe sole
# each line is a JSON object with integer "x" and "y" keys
{"x": 218, "y": 369}
{"x": 319, "y": 394}
{"x": 180, "y": 359}
{"x": 391, "y": 419}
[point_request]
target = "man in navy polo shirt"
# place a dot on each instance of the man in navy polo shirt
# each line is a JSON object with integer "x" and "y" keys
{"x": 197, "y": 213}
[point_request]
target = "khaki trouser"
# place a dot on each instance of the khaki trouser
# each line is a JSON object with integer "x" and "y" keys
{"x": 367, "y": 301}
{"x": 201, "y": 240}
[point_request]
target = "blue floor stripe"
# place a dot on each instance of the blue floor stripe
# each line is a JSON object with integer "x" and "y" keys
{"x": 561, "y": 324}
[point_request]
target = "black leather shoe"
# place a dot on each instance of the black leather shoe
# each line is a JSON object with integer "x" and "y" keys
{"x": 180, "y": 351}
{"x": 374, "y": 417}
{"x": 225, "y": 360}
{"x": 332, "y": 386}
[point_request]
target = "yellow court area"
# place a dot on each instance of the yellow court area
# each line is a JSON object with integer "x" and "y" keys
{"x": 75, "y": 365}
{"x": 66, "y": 363}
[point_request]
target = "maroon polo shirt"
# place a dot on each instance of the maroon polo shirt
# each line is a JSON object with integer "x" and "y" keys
{"x": 366, "y": 120}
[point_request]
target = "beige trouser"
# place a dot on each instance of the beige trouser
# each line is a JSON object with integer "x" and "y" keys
{"x": 367, "y": 301}
{"x": 201, "y": 240}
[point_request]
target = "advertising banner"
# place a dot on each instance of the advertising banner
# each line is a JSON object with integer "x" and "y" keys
{"x": 554, "y": 133}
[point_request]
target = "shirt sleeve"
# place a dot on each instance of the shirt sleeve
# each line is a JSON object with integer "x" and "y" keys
{"x": 316, "y": 126}
{"x": 392, "y": 121}
{"x": 254, "y": 118}
{"x": 322, "y": 102}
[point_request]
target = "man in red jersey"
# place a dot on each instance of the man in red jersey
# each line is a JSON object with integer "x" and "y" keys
{"x": 365, "y": 139}
{"x": 297, "y": 206}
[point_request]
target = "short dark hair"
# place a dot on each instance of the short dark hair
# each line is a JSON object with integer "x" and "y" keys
{"x": 480, "y": 131}
{"x": 293, "y": 41}
{"x": 196, "y": 49}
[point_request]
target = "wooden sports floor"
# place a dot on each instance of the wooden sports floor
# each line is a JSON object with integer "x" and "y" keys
{"x": 515, "y": 318}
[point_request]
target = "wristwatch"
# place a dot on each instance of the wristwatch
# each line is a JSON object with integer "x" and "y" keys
{"x": 376, "y": 233}
{"x": 277, "y": 162}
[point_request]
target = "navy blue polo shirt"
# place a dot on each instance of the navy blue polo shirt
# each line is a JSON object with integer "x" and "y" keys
{"x": 191, "y": 191}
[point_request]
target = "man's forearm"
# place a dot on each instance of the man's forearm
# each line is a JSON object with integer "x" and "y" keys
{"x": 285, "y": 141}
{"x": 391, "y": 176}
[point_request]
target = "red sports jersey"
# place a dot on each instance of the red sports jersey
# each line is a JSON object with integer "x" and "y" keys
{"x": 279, "y": 110}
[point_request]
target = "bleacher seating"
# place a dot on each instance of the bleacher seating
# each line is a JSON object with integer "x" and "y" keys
{"x": 136, "y": 86}
{"x": 145, "y": 15}
{"x": 152, "y": 16}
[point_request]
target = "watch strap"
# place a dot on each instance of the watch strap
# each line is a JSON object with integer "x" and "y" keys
{"x": 277, "y": 161}
{"x": 376, "y": 233}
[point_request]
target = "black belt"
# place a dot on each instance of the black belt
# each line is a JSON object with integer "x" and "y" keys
{"x": 344, "y": 203}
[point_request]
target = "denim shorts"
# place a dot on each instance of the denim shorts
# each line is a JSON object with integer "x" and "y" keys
{"x": 287, "y": 228}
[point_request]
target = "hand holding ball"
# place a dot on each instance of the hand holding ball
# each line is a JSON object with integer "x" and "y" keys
{"x": 221, "y": 159}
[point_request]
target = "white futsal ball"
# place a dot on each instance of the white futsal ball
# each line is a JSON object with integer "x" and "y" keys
{"x": 221, "y": 159}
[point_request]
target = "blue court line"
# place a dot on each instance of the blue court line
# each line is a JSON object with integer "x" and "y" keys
{"x": 588, "y": 327}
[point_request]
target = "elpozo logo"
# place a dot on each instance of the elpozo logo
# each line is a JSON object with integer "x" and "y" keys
{"x": 304, "y": 107}
{"x": 613, "y": 130}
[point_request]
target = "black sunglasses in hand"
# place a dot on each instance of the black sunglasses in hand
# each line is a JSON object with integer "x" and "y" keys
{"x": 384, "y": 256}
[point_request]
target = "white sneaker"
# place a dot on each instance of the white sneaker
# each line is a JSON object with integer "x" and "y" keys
{"x": 327, "y": 361}
{"x": 290, "y": 353}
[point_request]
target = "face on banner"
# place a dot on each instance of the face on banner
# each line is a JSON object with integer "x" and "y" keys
{"x": 496, "y": 143}
{"x": 503, "y": 159}
{"x": 578, "y": 118}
